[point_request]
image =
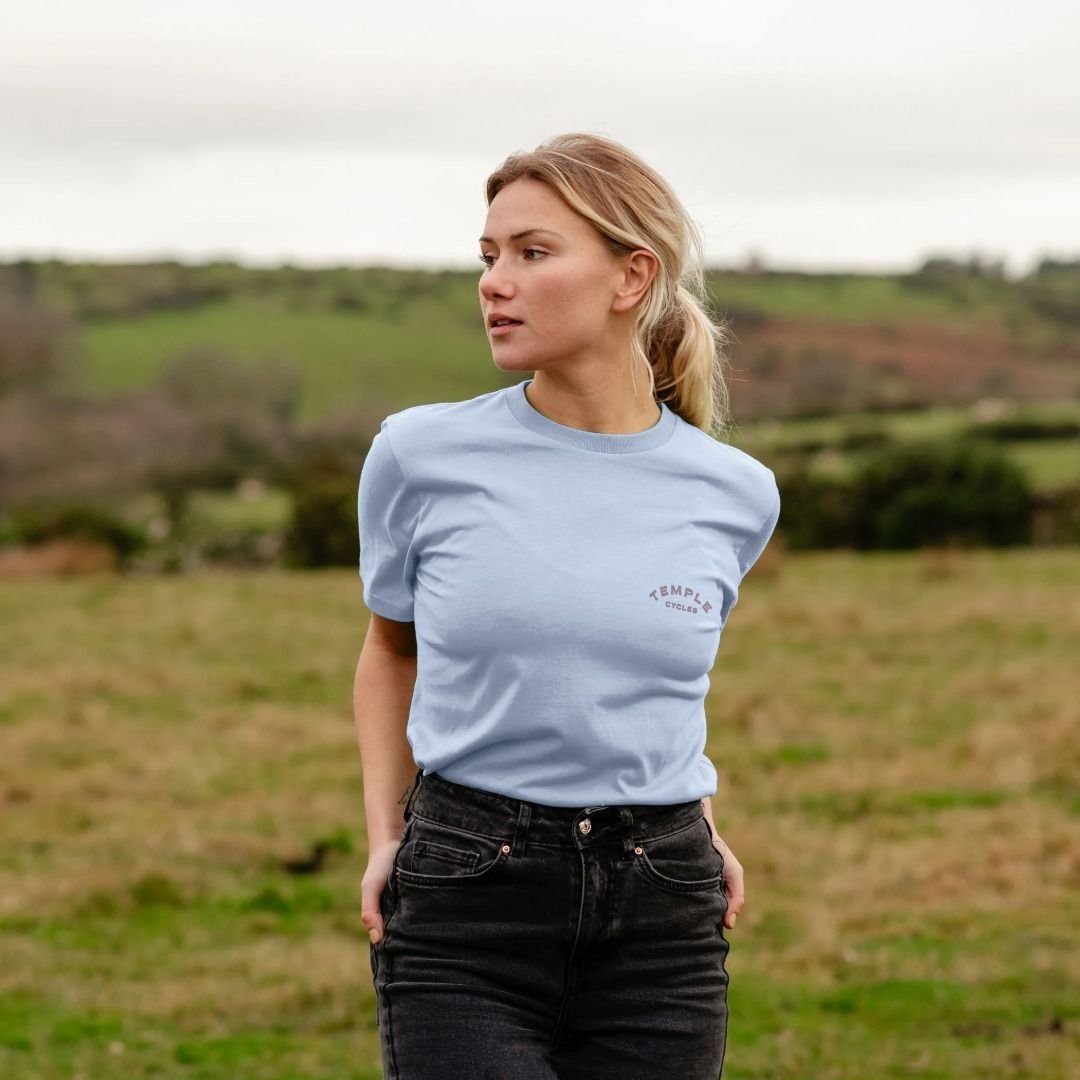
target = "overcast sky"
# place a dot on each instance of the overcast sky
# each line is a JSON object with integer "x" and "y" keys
{"x": 829, "y": 135}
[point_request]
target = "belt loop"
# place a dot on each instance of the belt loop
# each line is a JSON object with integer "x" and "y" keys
{"x": 627, "y": 830}
{"x": 521, "y": 830}
{"x": 413, "y": 792}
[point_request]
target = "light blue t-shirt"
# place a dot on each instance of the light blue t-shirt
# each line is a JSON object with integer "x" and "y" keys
{"x": 568, "y": 590}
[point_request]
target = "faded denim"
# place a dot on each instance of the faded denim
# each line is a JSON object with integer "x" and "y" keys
{"x": 531, "y": 942}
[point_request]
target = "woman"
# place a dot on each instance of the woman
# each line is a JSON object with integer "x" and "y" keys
{"x": 549, "y": 568}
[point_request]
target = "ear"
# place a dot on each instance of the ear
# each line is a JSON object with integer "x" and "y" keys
{"x": 639, "y": 269}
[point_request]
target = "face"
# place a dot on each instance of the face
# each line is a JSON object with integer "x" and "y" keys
{"x": 559, "y": 282}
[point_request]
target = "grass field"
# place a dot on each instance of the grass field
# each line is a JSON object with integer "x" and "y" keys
{"x": 433, "y": 348}
{"x": 343, "y": 357}
{"x": 897, "y": 737}
{"x": 1050, "y": 464}
{"x": 350, "y": 355}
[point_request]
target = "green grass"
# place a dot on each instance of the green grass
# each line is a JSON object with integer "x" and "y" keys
{"x": 345, "y": 358}
{"x": 942, "y": 1028}
{"x": 39, "y": 1039}
{"x": 896, "y": 743}
{"x": 1049, "y": 463}
{"x": 374, "y": 362}
{"x": 857, "y": 298}
{"x": 217, "y": 511}
{"x": 436, "y": 339}
{"x": 935, "y": 422}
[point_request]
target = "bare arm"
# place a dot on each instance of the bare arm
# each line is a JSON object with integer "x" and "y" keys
{"x": 382, "y": 692}
{"x": 733, "y": 871}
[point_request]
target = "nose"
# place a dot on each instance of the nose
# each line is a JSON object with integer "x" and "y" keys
{"x": 495, "y": 283}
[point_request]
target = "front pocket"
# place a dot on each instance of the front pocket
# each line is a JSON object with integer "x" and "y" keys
{"x": 436, "y": 855}
{"x": 427, "y": 852}
{"x": 684, "y": 861}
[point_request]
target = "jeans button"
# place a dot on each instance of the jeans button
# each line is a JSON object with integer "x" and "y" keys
{"x": 585, "y": 826}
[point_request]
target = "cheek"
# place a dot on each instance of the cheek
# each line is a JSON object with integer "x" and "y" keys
{"x": 570, "y": 305}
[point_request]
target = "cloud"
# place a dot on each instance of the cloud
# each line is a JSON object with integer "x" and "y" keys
{"x": 765, "y": 107}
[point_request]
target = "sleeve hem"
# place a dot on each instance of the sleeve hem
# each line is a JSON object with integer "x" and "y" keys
{"x": 754, "y": 541}
{"x": 388, "y": 609}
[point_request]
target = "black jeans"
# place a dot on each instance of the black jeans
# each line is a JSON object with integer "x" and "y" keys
{"x": 532, "y": 942}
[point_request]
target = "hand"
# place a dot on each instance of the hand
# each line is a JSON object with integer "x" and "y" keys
{"x": 733, "y": 883}
{"x": 380, "y": 864}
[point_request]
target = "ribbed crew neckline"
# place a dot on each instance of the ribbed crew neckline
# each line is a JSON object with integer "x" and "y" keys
{"x": 601, "y": 442}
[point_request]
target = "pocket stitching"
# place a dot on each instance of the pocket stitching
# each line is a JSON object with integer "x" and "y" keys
{"x": 414, "y": 877}
{"x": 443, "y": 851}
{"x": 456, "y": 829}
{"x": 677, "y": 884}
{"x": 420, "y": 843}
{"x": 680, "y": 885}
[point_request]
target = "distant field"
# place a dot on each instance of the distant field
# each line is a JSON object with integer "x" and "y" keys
{"x": 1049, "y": 463}
{"x": 897, "y": 737}
{"x": 915, "y": 424}
{"x": 355, "y": 359}
{"x": 859, "y": 297}
{"x": 345, "y": 358}
{"x": 404, "y": 332}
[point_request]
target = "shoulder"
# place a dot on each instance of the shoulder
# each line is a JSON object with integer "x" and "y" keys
{"x": 735, "y": 470}
{"x": 433, "y": 416}
{"x": 439, "y": 425}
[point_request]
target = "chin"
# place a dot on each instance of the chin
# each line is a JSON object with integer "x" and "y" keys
{"x": 508, "y": 363}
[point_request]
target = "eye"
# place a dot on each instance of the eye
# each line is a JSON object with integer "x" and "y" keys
{"x": 536, "y": 251}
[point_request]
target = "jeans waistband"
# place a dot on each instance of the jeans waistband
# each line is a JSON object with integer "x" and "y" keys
{"x": 435, "y": 798}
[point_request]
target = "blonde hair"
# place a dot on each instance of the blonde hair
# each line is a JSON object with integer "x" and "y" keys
{"x": 631, "y": 206}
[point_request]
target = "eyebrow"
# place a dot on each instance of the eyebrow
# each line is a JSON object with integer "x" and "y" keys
{"x": 524, "y": 232}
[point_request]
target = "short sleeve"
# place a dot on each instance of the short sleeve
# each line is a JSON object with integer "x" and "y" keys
{"x": 386, "y": 515}
{"x": 752, "y": 548}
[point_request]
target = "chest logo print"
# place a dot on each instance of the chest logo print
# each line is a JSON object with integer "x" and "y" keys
{"x": 680, "y": 598}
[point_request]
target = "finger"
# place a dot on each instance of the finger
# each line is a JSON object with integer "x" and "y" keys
{"x": 374, "y": 926}
{"x": 371, "y": 917}
{"x": 735, "y": 904}
{"x": 736, "y": 896}
{"x": 734, "y": 909}
{"x": 733, "y": 886}
{"x": 733, "y": 879}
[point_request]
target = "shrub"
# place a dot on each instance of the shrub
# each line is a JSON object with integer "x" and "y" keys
{"x": 37, "y": 344}
{"x": 84, "y": 521}
{"x": 863, "y": 438}
{"x": 1056, "y": 519}
{"x": 1027, "y": 428}
{"x": 323, "y": 531}
{"x": 815, "y": 511}
{"x": 211, "y": 422}
{"x": 940, "y": 491}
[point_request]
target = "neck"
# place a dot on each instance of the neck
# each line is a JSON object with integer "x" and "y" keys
{"x": 601, "y": 406}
